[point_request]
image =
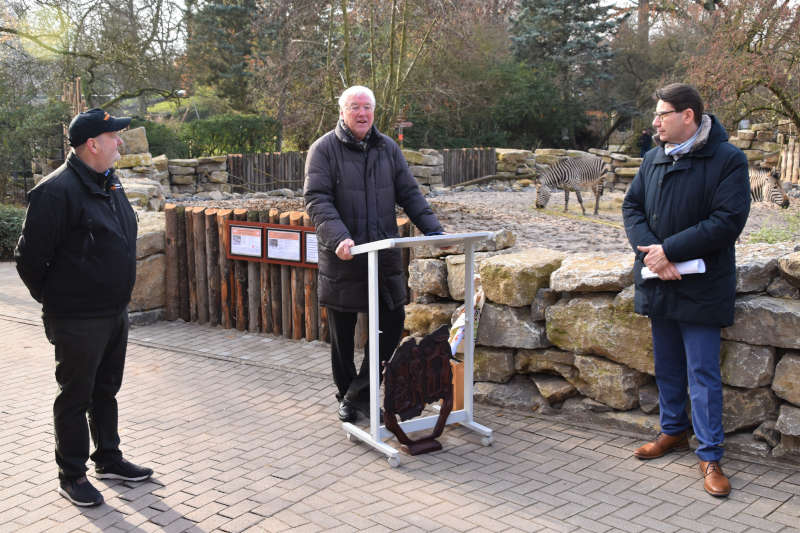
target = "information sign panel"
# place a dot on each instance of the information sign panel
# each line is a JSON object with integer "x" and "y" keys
{"x": 283, "y": 244}
{"x": 247, "y": 240}
{"x": 311, "y": 247}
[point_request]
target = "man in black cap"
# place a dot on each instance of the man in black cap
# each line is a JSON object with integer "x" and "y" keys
{"x": 77, "y": 256}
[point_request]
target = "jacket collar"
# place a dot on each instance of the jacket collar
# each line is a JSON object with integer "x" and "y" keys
{"x": 716, "y": 135}
{"x": 90, "y": 178}
{"x": 372, "y": 139}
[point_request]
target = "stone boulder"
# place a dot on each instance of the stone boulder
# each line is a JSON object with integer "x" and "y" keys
{"x": 766, "y": 432}
{"x": 789, "y": 266}
{"x": 149, "y": 291}
{"x": 161, "y": 163}
{"x": 590, "y": 272}
{"x": 743, "y": 365}
{"x": 780, "y": 288}
{"x": 605, "y": 325}
{"x": 498, "y": 240}
{"x": 610, "y": 383}
{"x": 493, "y": 364}
{"x": 544, "y": 299}
{"x": 134, "y": 141}
{"x": 428, "y": 276}
{"x": 757, "y": 264}
{"x": 787, "y": 378}
{"x": 134, "y": 160}
{"x": 146, "y": 193}
{"x": 423, "y": 319}
{"x": 456, "y": 271}
{"x": 150, "y": 243}
{"x": 746, "y": 408}
{"x": 181, "y": 170}
{"x": 548, "y": 360}
{"x": 788, "y": 420}
{"x": 511, "y": 155}
{"x": 764, "y": 320}
{"x": 519, "y": 393}
{"x": 511, "y": 327}
{"x": 648, "y": 398}
{"x": 554, "y": 389}
{"x": 513, "y": 279}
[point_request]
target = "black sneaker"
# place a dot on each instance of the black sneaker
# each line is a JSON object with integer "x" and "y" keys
{"x": 124, "y": 470}
{"x": 80, "y": 492}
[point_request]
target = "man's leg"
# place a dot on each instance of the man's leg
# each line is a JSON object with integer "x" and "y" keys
{"x": 342, "y": 330}
{"x": 79, "y": 346}
{"x": 390, "y": 324}
{"x": 103, "y": 411}
{"x": 702, "y": 345}
{"x": 670, "y": 368}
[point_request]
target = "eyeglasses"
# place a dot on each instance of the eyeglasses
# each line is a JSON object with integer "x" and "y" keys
{"x": 355, "y": 107}
{"x": 661, "y": 114}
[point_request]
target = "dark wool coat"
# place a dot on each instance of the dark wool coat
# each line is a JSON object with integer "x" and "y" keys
{"x": 77, "y": 251}
{"x": 350, "y": 192}
{"x": 695, "y": 207}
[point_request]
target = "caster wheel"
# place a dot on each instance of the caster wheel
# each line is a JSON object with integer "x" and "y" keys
{"x": 350, "y": 437}
{"x": 393, "y": 462}
{"x": 487, "y": 441}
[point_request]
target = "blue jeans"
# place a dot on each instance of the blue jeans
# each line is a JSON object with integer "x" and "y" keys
{"x": 689, "y": 353}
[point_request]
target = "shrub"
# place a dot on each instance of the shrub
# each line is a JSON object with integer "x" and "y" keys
{"x": 163, "y": 139}
{"x": 10, "y": 227}
{"x": 231, "y": 134}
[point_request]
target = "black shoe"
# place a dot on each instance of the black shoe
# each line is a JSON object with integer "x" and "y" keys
{"x": 124, "y": 470}
{"x": 80, "y": 492}
{"x": 347, "y": 413}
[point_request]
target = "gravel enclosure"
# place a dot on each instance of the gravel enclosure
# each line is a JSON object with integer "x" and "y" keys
{"x": 497, "y": 206}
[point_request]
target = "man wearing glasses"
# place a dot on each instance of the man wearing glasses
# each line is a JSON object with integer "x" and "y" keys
{"x": 354, "y": 177}
{"x": 689, "y": 200}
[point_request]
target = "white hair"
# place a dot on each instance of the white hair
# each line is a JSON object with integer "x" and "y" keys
{"x": 354, "y": 90}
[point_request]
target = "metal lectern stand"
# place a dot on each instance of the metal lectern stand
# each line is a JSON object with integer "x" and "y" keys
{"x": 378, "y": 433}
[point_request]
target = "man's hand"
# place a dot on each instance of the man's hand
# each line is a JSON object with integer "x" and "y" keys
{"x": 343, "y": 250}
{"x": 657, "y": 262}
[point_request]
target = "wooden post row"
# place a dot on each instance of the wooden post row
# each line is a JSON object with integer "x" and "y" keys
{"x": 310, "y": 296}
{"x": 286, "y": 290}
{"x": 212, "y": 266}
{"x": 190, "y": 264}
{"x": 275, "y": 285}
{"x": 298, "y": 280}
{"x": 264, "y": 284}
{"x": 200, "y": 267}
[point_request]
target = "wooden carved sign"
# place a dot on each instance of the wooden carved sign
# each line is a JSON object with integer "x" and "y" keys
{"x": 416, "y": 375}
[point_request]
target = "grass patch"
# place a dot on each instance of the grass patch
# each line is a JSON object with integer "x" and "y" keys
{"x": 785, "y": 231}
{"x": 575, "y": 216}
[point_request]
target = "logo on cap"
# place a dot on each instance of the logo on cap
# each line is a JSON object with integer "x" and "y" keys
{"x": 106, "y": 116}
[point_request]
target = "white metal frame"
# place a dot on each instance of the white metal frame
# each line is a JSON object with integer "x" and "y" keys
{"x": 378, "y": 433}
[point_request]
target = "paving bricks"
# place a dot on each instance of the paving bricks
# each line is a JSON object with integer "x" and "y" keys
{"x": 242, "y": 434}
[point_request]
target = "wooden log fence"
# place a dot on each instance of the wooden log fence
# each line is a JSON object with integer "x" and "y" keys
{"x": 266, "y": 172}
{"x": 467, "y": 164}
{"x": 204, "y": 286}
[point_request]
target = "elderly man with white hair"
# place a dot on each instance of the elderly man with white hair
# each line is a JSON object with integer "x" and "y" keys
{"x": 354, "y": 177}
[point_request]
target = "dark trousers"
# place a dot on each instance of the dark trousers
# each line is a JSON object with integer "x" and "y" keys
{"x": 90, "y": 359}
{"x": 353, "y": 386}
{"x": 689, "y": 354}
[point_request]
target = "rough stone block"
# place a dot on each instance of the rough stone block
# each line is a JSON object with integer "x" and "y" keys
{"x": 757, "y": 265}
{"x": 511, "y": 327}
{"x": 519, "y": 393}
{"x": 513, "y": 279}
{"x": 786, "y": 383}
{"x": 428, "y": 276}
{"x": 493, "y": 364}
{"x": 746, "y": 408}
{"x": 424, "y": 319}
{"x": 134, "y": 160}
{"x": 591, "y": 272}
{"x": 610, "y": 383}
{"x": 789, "y": 266}
{"x": 150, "y": 243}
{"x": 134, "y": 141}
{"x": 743, "y": 365}
{"x": 764, "y": 320}
{"x": 149, "y": 291}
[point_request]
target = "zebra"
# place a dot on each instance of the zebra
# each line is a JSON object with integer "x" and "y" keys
{"x": 571, "y": 174}
{"x": 765, "y": 186}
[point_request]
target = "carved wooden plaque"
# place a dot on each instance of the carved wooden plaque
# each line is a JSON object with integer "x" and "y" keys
{"x": 416, "y": 375}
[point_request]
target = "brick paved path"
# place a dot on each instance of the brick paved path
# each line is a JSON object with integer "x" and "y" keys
{"x": 242, "y": 434}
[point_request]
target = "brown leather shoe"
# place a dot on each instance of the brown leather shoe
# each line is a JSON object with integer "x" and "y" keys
{"x": 663, "y": 444}
{"x": 714, "y": 480}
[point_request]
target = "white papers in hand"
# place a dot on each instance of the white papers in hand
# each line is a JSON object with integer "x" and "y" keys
{"x": 692, "y": 266}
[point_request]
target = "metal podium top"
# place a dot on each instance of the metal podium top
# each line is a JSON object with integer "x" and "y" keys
{"x": 408, "y": 242}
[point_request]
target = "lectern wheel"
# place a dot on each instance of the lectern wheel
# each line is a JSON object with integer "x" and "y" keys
{"x": 487, "y": 441}
{"x": 393, "y": 462}
{"x": 350, "y": 437}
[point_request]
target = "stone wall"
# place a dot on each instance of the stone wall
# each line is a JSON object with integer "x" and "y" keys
{"x": 558, "y": 334}
{"x": 427, "y": 165}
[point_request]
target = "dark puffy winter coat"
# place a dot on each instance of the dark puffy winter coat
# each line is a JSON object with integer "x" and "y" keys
{"x": 77, "y": 251}
{"x": 695, "y": 207}
{"x": 350, "y": 192}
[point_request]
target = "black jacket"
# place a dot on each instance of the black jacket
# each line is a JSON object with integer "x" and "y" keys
{"x": 77, "y": 251}
{"x": 695, "y": 207}
{"x": 350, "y": 192}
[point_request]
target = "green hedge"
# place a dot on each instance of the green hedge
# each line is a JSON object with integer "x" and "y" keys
{"x": 10, "y": 227}
{"x": 163, "y": 139}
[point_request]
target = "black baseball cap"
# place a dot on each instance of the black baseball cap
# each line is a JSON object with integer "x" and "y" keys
{"x": 92, "y": 123}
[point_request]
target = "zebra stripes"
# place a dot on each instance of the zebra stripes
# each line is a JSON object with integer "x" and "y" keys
{"x": 765, "y": 186}
{"x": 572, "y": 175}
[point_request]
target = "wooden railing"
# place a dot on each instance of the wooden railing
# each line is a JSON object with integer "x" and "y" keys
{"x": 466, "y": 164}
{"x": 266, "y": 172}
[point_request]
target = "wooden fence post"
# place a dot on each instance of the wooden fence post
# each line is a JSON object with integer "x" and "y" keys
{"x": 183, "y": 268}
{"x": 253, "y": 287}
{"x": 191, "y": 265}
{"x": 240, "y": 282}
{"x": 275, "y": 285}
{"x": 200, "y": 267}
{"x": 310, "y": 296}
{"x": 172, "y": 308}
{"x": 286, "y": 291}
{"x": 225, "y": 281}
{"x": 264, "y": 283}
{"x": 298, "y": 280}
{"x": 212, "y": 265}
